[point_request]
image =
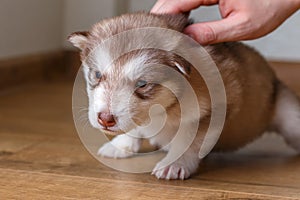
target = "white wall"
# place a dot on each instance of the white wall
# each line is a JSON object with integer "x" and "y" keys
{"x": 282, "y": 44}
{"x": 29, "y": 26}
{"x": 80, "y": 15}
{"x": 34, "y": 26}
{"x": 138, "y": 5}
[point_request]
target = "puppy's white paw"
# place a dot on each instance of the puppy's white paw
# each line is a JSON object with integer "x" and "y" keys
{"x": 111, "y": 151}
{"x": 172, "y": 172}
{"x": 122, "y": 146}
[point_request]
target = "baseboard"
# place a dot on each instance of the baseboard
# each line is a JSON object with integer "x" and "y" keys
{"x": 65, "y": 64}
{"x": 287, "y": 72}
{"x": 44, "y": 66}
{"x": 72, "y": 63}
{"x": 279, "y": 64}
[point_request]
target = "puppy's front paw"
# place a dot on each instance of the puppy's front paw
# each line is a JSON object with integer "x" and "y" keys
{"x": 172, "y": 172}
{"x": 111, "y": 151}
{"x": 122, "y": 146}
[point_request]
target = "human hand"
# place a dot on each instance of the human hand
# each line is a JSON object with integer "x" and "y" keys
{"x": 242, "y": 20}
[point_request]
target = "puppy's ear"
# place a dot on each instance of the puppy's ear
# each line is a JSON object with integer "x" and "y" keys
{"x": 182, "y": 65}
{"x": 79, "y": 39}
{"x": 182, "y": 69}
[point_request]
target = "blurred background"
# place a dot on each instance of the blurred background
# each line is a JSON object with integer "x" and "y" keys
{"x": 34, "y": 26}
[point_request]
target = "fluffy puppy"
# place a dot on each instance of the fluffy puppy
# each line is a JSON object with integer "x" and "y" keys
{"x": 256, "y": 100}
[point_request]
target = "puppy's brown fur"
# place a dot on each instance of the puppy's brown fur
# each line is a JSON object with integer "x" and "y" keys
{"x": 256, "y": 100}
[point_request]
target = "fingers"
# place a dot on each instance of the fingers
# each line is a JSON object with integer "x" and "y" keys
{"x": 243, "y": 20}
{"x": 179, "y": 6}
{"x": 228, "y": 29}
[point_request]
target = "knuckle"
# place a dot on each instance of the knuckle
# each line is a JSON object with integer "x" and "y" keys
{"x": 207, "y": 35}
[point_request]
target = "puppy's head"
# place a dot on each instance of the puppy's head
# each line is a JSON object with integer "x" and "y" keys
{"x": 121, "y": 91}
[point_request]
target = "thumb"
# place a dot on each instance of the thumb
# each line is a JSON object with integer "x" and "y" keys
{"x": 224, "y": 30}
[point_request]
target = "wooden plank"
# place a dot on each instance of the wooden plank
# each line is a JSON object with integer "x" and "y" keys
{"x": 238, "y": 173}
{"x": 42, "y": 156}
{"x": 10, "y": 143}
{"x": 44, "y": 109}
{"x": 31, "y": 185}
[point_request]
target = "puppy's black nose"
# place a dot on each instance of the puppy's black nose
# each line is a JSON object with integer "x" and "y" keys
{"x": 106, "y": 119}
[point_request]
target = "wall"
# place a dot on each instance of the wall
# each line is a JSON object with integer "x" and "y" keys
{"x": 32, "y": 26}
{"x": 29, "y": 26}
{"x": 81, "y": 15}
{"x": 138, "y": 5}
{"x": 283, "y": 44}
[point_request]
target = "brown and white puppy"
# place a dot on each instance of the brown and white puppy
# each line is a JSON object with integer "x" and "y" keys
{"x": 256, "y": 100}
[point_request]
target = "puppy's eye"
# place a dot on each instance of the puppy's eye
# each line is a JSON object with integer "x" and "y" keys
{"x": 141, "y": 84}
{"x": 98, "y": 75}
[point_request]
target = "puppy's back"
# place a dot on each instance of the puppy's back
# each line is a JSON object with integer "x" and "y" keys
{"x": 251, "y": 88}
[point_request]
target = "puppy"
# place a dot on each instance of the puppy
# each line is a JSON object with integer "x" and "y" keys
{"x": 256, "y": 100}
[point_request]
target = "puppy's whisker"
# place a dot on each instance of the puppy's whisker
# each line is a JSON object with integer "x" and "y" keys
{"x": 83, "y": 117}
{"x": 83, "y": 110}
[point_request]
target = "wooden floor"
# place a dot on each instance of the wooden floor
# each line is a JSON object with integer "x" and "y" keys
{"x": 41, "y": 157}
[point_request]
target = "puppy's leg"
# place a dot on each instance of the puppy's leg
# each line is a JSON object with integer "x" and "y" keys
{"x": 183, "y": 166}
{"x": 122, "y": 146}
{"x": 287, "y": 116}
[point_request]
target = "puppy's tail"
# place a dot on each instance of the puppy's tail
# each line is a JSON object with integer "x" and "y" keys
{"x": 286, "y": 120}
